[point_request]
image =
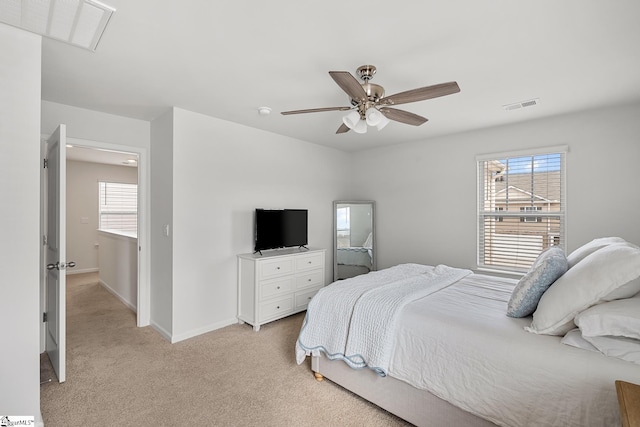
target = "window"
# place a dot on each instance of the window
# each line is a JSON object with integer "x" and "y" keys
{"x": 528, "y": 189}
{"x": 343, "y": 226}
{"x": 118, "y": 206}
{"x": 530, "y": 218}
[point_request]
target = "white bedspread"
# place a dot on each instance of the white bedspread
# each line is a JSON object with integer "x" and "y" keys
{"x": 354, "y": 320}
{"x": 459, "y": 344}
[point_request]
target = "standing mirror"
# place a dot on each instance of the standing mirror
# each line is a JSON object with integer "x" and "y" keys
{"x": 353, "y": 238}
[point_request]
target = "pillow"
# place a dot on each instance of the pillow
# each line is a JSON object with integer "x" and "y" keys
{"x": 616, "y": 318}
{"x": 588, "y": 283}
{"x": 550, "y": 264}
{"x": 588, "y": 248}
{"x": 574, "y": 339}
{"x": 620, "y": 347}
{"x": 369, "y": 242}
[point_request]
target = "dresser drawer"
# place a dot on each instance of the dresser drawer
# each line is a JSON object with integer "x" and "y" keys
{"x": 275, "y": 268}
{"x": 303, "y": 298}
{"x": 271, "y": 288}
{"x": 279, "y": 307}
{"x": 309, "y": 280}
{"x": 309, "y": 262}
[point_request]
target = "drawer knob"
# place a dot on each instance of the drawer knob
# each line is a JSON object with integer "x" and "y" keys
{"x": 278, "y": 287}
{"x": 278, "y": 308}
{"x": 308, "y": 280}
{"x": 309, "y": 262}
{"x": 277, "y": 268}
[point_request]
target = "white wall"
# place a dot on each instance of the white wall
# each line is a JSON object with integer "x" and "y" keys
{"x": 82, "y": 203}
{"x": 222, "y": 171}
{"x": 19, "y": 218}
{"x": 425, "y": 192}
{"x": 95, "y": 126}
{"x": 118, "y": 261}
{"x": 161, "y": 216}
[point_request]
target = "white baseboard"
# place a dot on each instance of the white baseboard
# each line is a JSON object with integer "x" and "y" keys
{"x": 84, "y": 270}
{"x": 117, "y": 295}
{"x": 165, "y": 334}
{"x": 199, "y": 331}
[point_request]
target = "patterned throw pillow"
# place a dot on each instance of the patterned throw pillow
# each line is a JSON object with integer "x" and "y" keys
{"x": 548, "y": 267}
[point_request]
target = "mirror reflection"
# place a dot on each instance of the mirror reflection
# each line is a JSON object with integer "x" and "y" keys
{"x": 354, "y": 238}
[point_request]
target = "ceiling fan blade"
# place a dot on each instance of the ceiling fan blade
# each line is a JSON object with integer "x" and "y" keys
{"x": 349, "y": 84}
{"x": 343, "y": 128}
{"x": 316, "y": 110}
{"x": 421, "y": 94}
{"x": 403, "y": 116}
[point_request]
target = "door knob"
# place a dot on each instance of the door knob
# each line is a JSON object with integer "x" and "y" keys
{"x": 62, "y": 266}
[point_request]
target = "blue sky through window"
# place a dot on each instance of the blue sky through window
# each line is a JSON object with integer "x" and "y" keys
{"x": 342, "y": 218}
{"x": 540, "y": 163}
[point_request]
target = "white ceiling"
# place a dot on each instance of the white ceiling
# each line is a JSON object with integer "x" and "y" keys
{"x": 226, "y": 58}
{"x": 93, "y": 155}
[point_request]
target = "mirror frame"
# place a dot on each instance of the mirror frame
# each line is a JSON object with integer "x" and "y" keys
{"x": 374, "y": 265}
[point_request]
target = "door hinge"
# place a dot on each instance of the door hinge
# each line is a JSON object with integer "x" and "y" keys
{"x": 44, "y": 240}
{"x": 45, "y": 163}
{"x": 44, "y": 317}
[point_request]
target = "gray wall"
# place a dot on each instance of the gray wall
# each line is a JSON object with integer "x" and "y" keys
{"x": 425, "y": 192}
{"x": 82, "y": 202}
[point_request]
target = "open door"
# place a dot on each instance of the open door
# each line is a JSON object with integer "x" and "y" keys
{"x": 55, "y": 252}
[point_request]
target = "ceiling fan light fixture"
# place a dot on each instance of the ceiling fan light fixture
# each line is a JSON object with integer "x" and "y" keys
{"x": 383, "y": 122}
{"x": 373, "y": 116}
{"x": 360, "y": 127}
{"x": 351, "y": 119}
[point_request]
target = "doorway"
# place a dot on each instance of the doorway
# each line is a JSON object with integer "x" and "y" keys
{"x": 142, "y": 291}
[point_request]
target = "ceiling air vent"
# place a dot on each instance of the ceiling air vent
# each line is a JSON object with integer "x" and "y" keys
{"x": 522, "y": 104}
{"x": 77, "y": 22}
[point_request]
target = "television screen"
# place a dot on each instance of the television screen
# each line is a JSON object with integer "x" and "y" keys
{"x": 280, "y": 228}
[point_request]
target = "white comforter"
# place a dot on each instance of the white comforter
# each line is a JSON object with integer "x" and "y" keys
{"x": 355, "y": 320}
{"x": 459, "y": 344}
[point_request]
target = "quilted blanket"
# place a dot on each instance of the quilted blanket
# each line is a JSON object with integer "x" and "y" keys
{"x": 354, "y": 319}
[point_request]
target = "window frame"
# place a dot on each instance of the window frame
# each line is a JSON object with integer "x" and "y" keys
{"x": 538, "y": 215}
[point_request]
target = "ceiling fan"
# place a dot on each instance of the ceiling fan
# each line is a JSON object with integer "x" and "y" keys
{"x": 370, "y": 107}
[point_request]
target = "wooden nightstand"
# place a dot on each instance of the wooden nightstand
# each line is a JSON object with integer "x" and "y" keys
{"x": 629, "y": 400}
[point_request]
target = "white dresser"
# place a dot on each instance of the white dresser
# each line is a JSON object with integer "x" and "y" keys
{"x": 278, "y": 283}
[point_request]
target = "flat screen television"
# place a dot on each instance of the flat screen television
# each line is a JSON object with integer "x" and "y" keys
{"x": 280, "y": 228}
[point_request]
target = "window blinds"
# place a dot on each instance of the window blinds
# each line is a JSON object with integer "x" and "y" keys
{"x": 521, "y": 207}
{"x": 118, "y": 206}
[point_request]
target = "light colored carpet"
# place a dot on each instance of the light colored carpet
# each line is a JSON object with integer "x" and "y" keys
{"x": 118, "y": 374}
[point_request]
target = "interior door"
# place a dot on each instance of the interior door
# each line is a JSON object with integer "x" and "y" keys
{"x": 56, "y": 251}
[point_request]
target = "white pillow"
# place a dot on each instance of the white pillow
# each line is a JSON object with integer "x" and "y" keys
{"x": 574, "y": 339}
{"x": 619, "y": 318}
{"x": 622, "y": 348}
{"x": 588, "y": 283}
{"x": 588, "y": 248}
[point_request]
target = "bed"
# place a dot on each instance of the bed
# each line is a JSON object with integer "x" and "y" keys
{"x": 433, "y": 344}
{"x": 355, "y": 260}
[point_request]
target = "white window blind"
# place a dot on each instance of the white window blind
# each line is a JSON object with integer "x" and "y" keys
{"x": 528, "y": 191}
{"x": 118, "y": 206}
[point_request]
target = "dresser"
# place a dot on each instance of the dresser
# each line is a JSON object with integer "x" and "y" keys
{"x": 278, "y": 283}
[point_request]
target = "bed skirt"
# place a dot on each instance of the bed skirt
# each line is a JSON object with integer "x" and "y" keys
{"x": 416, "y": 406}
